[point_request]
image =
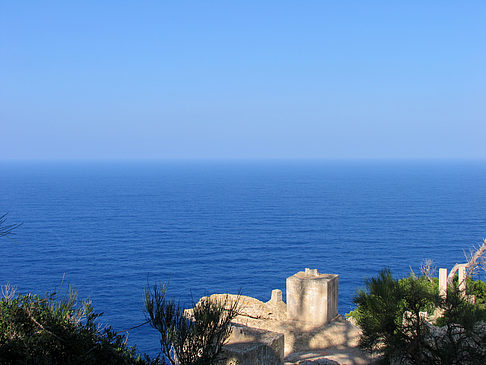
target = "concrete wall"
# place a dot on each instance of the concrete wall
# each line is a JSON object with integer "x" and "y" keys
{"x": 251, "y": 346}
{"x": 312, "y": 297}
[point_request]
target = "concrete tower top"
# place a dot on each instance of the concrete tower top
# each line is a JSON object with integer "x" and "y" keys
{"x": 313, "y": 274}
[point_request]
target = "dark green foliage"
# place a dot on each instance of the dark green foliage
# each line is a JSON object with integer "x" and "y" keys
{"x": 50, "y": 330}
{"x": 184, "y": 341}
{"x": 391, "y": 315}
{"x": 418, "y": 296}
{"x": 463, "y": 337}
{"x": 377, "y": 311}
{"x": 478, "y": 289}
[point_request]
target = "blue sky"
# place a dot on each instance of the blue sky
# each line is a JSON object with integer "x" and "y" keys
{"x": 242, "y": 79}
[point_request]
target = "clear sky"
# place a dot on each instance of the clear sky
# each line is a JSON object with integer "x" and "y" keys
{"x": 242, "y": 79}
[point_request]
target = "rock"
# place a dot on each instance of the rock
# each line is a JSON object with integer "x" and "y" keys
{"x": 253, "y": 308}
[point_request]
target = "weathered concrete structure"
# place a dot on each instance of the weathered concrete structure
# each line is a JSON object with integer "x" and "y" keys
{"x": 263, "y": 329}
{"x": 462, "y": 280}
{"x": 312, "y": 297}
{"x": 443, "y": 282}
{"x": 251, "y": 346}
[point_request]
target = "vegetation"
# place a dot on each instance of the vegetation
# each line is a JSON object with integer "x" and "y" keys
{"x": 478, "y": 289}
{"x": 53, "y": 329}
{"x": 57, "y": 330}
{"x": 462, "y": 336}
{"x": 391, "y": 314}
{"x": 194, "y": 341}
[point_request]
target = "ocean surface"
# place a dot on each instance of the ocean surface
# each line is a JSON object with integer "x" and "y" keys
{"x": 219, "y": 227}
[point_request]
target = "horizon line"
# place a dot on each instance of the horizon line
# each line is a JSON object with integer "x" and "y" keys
{"x": 243, "y": 159}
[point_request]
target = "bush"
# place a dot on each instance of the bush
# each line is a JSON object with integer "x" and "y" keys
{"x": 197, "y": 340}
{"x": 462, "y": 336}
{"x": 51, "y": 330}
{"x": 390, "y": 314}
{"x": 478, "y": 289}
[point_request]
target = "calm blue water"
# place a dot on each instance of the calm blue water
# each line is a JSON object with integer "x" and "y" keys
{"x": 216, "y": 227}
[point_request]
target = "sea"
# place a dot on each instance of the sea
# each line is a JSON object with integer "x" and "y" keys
{"x": 113, "y": 229}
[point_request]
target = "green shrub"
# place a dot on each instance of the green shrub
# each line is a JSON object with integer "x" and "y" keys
{"x": 197, "y": 340}
{"x": 53, "y": 330}
{"x": 390, "y": 314}
{"x": 478, "y": 289}
{"x": 462, "y": 338}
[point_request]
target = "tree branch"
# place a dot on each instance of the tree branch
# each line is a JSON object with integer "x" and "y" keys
{"x": 472, "y": 264}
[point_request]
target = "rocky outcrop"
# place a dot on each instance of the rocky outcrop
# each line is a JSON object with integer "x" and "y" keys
{"x": 251, "y": 308}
